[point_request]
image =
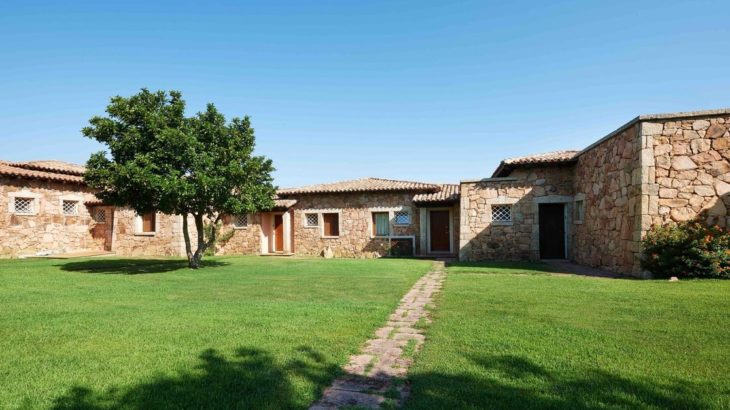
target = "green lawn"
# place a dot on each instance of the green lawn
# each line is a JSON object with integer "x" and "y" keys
{"x": 505, "y": 339}
{"x": 245, "y": 332}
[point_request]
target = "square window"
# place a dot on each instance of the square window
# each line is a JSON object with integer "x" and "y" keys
{"x": 70, "y": 208}
{"x": 240, "y": 221}
{"x": 501, "y": 213}
{"x": 311, "y": 220}
{"x": 381, "y": 224}
{"x": 24, "y": 206}
{"x": 331, "y": 224}
{"x": 100, "y": 215}
{"x": 402, "y": 218}
{"x": 579, "y": 211}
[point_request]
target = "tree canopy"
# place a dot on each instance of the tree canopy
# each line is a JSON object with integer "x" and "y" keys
{"x": 160, "y": 160}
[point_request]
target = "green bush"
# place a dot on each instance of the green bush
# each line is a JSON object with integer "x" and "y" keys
{"x": 689, "y": 250}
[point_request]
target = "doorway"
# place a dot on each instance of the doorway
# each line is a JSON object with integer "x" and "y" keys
{"x": 439, "y": 230}
{"x": 552, "y": 231}
{"x": 278, "y": 233}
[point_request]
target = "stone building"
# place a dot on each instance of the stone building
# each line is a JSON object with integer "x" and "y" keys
{"x": 592, "y": 206}
{"x": 595, "y": 205}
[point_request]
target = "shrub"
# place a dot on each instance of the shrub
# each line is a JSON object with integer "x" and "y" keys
{"x": 688, "y": 250}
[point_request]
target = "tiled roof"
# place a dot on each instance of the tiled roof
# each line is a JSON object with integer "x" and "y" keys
{"x": 284, "y": 203}
{"x": 448, "y": 193}
{"x": 14, "y": 170}
{"x": 547, "y": 158}
{"x": 59, "y": 167}
{"x": 362, "y": 185}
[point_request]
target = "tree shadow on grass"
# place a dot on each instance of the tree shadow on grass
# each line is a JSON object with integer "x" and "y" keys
{"x": 133, "y": 266}
{"x": 509, "y": 381}
{"x": 252, "y": 379}
{"x": 516, "y": 266}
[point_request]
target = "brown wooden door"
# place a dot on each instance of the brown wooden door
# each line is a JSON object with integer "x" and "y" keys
{"x": 552, "y": 231}
{"x": 439, "y": 230}
{"x": 278, "y": 233}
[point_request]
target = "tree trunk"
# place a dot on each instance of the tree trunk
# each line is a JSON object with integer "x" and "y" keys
{"x": 194, "y": 261}
{"x": 186, "y": 236}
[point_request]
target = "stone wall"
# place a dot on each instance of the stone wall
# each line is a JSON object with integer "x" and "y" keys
{"x": 167, "y": 240}
{"x": 48, "y": 230}
{"x": 483, "y": 239}
{"x": 609, "y": 177}
{"x": 355, "y": 239}
{"x": 692, "y": 170}
{"x": 245, "y": 240}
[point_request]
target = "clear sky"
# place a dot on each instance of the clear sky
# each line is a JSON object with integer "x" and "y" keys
{"x": 425, "y": 90}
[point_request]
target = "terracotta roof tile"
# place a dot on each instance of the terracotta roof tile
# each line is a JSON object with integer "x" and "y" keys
{"x": 362, "y": 185}
{"x": 55, "y": 166}
{"x": 11, "y": 169}
{"x": 547, "y": 158}
{"x": 284, "y": 203}
{"x": 448, "y": 193}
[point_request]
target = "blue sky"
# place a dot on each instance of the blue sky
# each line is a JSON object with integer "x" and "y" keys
{"x": 435, "y": 91}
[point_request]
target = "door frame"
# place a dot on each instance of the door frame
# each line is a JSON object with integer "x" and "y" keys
{"x": 271, "y": 237}
{"x": 451, "y": 230}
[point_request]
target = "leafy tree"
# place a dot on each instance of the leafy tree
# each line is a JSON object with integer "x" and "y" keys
{"x": 160, "y": 160}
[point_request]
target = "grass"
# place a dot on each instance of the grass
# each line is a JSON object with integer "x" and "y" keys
{"x": 504, "y": 339}
{"x": 244, "y": 332}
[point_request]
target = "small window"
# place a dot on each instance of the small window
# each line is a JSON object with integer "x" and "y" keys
{"x": 100, "y": 215}
{"x": 24, "y": 206}
{"x": 149, "y": 222}
{"x": 381, "y": 224}
{"x": 311, "y": 220}
{"x": 70, "y": 208}
{"x": 402, "y": 218}
{"x": 331, "y": 224}
{"x": 579, "y": 211}
{"x": 240, "y": 221}
{"x": 501, "y": 213}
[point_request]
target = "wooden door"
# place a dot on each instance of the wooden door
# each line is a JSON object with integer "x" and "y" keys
{"x": 552, "y": 231}
{"x": 439, "y": 230}
{"x": 278, "y": 233}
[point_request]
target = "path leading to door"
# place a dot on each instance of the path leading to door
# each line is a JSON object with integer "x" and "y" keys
{"x": 376, "y": 374}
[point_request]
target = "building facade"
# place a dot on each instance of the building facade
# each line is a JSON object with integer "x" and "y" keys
{"x": 592, "y": 206}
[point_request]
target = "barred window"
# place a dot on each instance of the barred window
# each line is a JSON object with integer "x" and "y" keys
{"x": 70, "y": 207}
{"x": 501, "y": 213}
{"x": 100, "y": 215}
{"x": 311, "y": 220}
{"x": 240, "y": 221}
{"x": 24, "y": 206}
{"x": 402, "y": 218}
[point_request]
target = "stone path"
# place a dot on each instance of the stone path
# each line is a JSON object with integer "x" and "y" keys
{"x": 375, "y": 376}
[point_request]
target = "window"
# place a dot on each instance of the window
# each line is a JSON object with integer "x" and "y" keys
{"x": 579, "y": 210}
{"x": 331, "y": 224}
{"x": 381, "y": 224}
{"x": 24, "y": 206}
{"x": 240, "y": 221}
{"x": 311, "y": 220}
{"x": 501, "y": 213}
{"x": 149, "y": 220}
{"x": 402, "y": 218}
{"x": 70, "y": 208}
{"x": 100, "y": 215}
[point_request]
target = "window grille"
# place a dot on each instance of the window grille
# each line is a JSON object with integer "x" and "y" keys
{"x": 23, "y": 205}
{"x": 70, "y": 207}
{"x": 240, "y": 221}
{"x": 100, "y": 215}
{"x": 402, "y": 218}
{"x": 311, "y": 219}
{"x": 501, "y": 213}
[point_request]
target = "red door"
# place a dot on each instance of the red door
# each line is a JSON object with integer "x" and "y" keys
{"x": 278, "y": 233}
{"x": 439, "y": 224}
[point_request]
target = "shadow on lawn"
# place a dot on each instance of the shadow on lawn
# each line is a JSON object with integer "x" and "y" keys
{"x": 132, "y": 266}
{"x": 252, "y": 379}
{"x": 515, "y": 382}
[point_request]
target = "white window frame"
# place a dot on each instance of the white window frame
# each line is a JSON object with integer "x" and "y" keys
{"x": 76, "y": 205}
{"x": 234, "y": 221}
{"x": 404, "y": 211}
{"x": 509, "y": 207}
{"x": 391, "y": 210}
{"x": 138, "y": 225}
{"x": 372, "y": 224}
{"x": 306, "y": 220}
{"x": 36, "y": 198}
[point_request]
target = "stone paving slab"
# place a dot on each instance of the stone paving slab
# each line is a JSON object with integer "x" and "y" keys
{"x": 371, "y": 374}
